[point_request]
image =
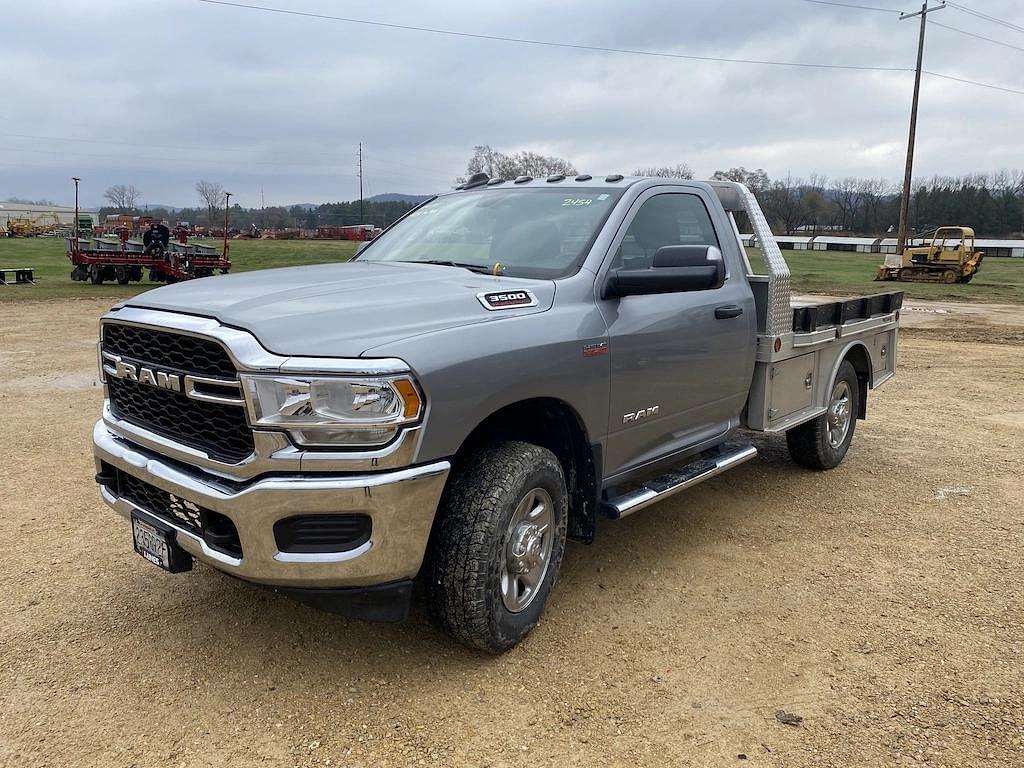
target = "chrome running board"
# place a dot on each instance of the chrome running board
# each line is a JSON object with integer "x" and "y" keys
{"x": 677, "y": 480}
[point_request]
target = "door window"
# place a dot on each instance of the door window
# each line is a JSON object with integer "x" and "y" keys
{"x": 667, "y": 219}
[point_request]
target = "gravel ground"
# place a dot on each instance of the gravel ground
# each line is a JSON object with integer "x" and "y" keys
{"x": 881, "y": 602}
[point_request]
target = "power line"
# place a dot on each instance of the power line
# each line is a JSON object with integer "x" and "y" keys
{"x": 985, "y": 16}
{"x": 974, "y": 82}
{"x": 972, "y": 34}
{"x": 551, "y": 43}
{"x": 602, "y": 49}
{"x": 852, "y": 5}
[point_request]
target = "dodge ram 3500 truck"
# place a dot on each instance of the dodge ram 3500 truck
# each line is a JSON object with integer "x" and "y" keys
{"x": 501, "y": 367}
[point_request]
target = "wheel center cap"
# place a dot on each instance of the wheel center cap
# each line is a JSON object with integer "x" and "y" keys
{"x": 525, "y": 548}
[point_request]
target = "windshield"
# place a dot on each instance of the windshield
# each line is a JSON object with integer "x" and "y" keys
{"x": 524, "y": 232}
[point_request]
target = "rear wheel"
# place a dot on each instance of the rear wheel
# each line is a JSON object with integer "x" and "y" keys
{"x": 495, "y": 552}
{"x": 96, "y": 274}
{"x": 121, "y": 273}
{"x": 822, "y": 443}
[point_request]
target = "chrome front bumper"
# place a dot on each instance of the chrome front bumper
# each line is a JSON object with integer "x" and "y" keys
{"x": 401, "y": 503}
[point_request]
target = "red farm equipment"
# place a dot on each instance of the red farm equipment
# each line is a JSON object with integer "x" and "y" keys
{"x": 99, "y": 259}
{"x": 125, "y": 261}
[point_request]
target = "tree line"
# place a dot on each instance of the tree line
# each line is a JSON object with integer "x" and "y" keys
{"x": 338, "y": 214}
{"x": 993, "y": 204}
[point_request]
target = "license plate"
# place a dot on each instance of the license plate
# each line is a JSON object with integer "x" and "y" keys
{"x": 156, "y": 543}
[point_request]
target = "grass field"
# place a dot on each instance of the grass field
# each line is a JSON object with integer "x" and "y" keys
{"x": 53, "y": 270}
{"x": 999, "y": 281}
{"x": 841, "y": 274}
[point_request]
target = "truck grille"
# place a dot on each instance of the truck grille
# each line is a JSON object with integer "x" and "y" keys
{"x": 202, "y": 357}
{"x": 218, "y": 429}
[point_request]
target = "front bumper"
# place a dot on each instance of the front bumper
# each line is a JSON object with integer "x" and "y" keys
{"x": 401, "y": 504}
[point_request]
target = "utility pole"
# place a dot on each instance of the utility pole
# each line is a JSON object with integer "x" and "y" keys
{"x": 227, "y": 205}
{"x": 75, "y": 247}
{"x": 901, "y": 238}
{"x": 360, "y": 182}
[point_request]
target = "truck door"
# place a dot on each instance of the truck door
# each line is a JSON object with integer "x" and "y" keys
{"x": 681, "y": 363}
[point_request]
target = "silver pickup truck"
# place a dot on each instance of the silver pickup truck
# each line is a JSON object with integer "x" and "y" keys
{"x": 500, "y": 368}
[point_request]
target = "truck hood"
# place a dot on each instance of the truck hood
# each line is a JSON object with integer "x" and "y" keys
{"x": 342, "y": 310}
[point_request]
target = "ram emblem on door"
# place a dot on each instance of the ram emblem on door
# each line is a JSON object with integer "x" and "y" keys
{"x": 643, "y": 413}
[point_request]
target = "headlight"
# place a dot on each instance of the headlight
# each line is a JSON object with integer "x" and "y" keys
{"x": 332, "y": 411}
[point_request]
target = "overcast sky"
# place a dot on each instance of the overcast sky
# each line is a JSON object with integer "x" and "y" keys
{"x": 162, "y": 93}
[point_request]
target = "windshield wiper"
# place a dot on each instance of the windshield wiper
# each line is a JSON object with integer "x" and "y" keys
{"x": 480, "y": 268}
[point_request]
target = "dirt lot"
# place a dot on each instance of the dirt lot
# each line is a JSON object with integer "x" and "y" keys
{"x": 883, "y": 602}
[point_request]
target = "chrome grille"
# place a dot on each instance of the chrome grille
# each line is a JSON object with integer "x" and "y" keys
{"x": 220, "y": 430}
{"x": 203, "y": 357}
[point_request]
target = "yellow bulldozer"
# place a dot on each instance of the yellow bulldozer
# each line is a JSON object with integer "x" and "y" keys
{"x": 949, "y": 258}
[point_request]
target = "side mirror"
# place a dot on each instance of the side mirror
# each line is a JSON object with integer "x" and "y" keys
{"x": 675, "y": 269}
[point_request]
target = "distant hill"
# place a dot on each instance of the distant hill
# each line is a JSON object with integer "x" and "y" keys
{"x": 393, "y": 197}
{"x": 168, "y": 208}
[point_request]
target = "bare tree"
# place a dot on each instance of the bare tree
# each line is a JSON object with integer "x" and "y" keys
{"x": 816, "y": 208}
{"x": 679, "y": 171}
{"x": 212, "y": 194}
{"x": 873, "y": 193}
{"x": 756, "y": 181}
{"x": 499, "y": 165}
{"x": 846, "y": 193}
{"x": 782, "y": 204}
{"x": 123, "y": 196}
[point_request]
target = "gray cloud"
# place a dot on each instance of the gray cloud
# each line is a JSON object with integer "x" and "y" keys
{"x": 163, "y": 93}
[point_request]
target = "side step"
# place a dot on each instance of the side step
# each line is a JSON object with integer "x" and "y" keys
{"x": 677, "y": 480}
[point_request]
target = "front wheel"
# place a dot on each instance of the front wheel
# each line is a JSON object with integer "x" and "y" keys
{"x": 822, "y": 443}
{"x": 495, "y": 552}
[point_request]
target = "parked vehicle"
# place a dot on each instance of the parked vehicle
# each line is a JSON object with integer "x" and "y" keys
{"x": 456, "y": 410}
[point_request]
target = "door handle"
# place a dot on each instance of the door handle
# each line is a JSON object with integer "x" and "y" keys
{"x": 729, "y": 310}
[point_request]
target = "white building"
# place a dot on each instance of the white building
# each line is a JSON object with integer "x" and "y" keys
{"x": 794, "y": 242}
{"x": 1014, "y": 248}
{"x": 849, "y": 244}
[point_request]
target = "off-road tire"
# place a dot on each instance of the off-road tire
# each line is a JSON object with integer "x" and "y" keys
{"x": 809, "y": 443}
{"x": 467, "y": 547}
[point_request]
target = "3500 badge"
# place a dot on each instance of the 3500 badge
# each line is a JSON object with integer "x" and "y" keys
{"x": 507, "y": 299}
